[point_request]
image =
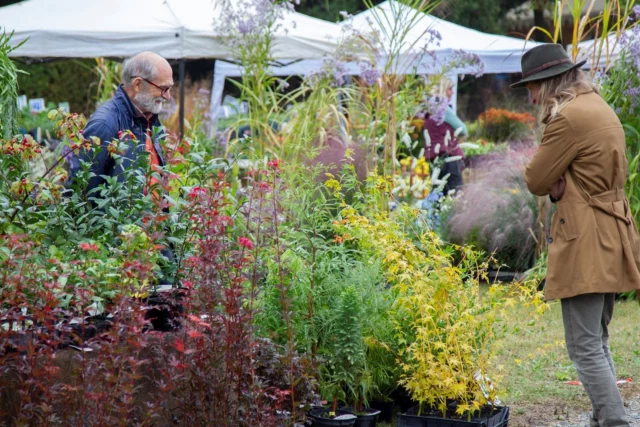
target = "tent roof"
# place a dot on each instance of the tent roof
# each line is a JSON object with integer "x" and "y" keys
{"x": 454, "y": 36}
{"x": 500, "y": 54}
{"x": 171, "y": 28}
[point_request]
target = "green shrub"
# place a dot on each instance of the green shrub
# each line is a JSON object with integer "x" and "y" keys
{"x": 70, "y": 80}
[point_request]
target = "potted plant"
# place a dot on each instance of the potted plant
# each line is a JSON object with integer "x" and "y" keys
{"x": 367, "y": 417}
{"x": 344, "y": 359}
{"x": 450, "y": 333}
{"x": 446, "y": 332}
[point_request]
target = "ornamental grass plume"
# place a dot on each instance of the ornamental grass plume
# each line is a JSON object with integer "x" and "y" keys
{"x": 496, "y": 213}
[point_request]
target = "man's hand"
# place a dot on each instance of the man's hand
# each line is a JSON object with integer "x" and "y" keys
{"x": 557, "y": 190}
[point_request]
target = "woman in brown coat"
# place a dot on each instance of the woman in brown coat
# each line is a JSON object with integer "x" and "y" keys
{"x": 593, "y": 247}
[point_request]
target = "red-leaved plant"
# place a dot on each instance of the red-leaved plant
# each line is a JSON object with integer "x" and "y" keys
{"x": 69, "y": 357}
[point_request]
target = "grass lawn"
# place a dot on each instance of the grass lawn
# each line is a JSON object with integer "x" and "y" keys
{"x": 537, "y": 364}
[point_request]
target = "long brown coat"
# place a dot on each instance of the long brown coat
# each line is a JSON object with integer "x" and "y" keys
{"x": 594, "y": 244}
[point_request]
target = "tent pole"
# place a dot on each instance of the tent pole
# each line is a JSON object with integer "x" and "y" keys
{"x": 182, "y": 89}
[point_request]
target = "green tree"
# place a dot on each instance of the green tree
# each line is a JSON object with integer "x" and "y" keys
{"x": 8, "y": 2}
{"x": 71, "y": 80}
{"x": 330, "y": 9}
{"x": 8, "y": 89}
{"x": 482, "y": 15}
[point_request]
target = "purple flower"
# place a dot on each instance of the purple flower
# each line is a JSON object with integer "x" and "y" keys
{"x": 244, "y": 23}
{"x": 369, "y": 73}
{"x": 636, "y": 11}
{"x": 246, "y": 27}
{"x": 435, "y": 107}
{"x": 462, "y": 59}
{"x": 339, "y": 72}
{"x": 432, "y": 36}
{"x": 634, "y": 96}
{"x": 332, "y": 69}
{"x": 600, "y": 78}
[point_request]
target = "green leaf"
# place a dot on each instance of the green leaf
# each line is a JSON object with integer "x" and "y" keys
{"x": 114, "y": 213}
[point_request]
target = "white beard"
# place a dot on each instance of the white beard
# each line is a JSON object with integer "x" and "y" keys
{"x": 148, "y": 103}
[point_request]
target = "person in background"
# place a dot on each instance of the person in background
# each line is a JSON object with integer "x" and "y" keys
{"x": 581, "y": 165}
{"x": 147, "y": 79}
{"x": 442, "y": 148}
{"x": 446, "y": 87}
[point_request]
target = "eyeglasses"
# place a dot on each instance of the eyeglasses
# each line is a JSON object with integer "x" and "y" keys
{"x": 163, "y": 89}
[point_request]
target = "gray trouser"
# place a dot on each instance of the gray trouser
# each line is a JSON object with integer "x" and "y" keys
{"x": 586, "y": 320}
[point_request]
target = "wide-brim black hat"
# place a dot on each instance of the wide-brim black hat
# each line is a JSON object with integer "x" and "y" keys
{"x": 545, "y": 61}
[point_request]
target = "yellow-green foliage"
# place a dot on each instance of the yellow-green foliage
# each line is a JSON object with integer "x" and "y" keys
{"x": 447, "y": 332}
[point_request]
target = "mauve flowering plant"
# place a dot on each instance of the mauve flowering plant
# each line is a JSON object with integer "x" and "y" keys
{"x": 433, "y": 106}
{"x": 369, "y": 73}
{"x": 470, "y": 62}
{"x": 496, "y": 213}
{"x": 621, "y": 89}
{"x": 249, "y": 28}
{"x": 630, "y": 44}
{"x": 245, "y": 22}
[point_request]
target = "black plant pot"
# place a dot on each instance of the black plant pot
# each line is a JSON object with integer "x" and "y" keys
{"x": 402, "y": 399}
{"x": 93, "y": 326}
{"x": 499, "y": 418}
{"x": 386, "y": 409}
{"x": 320, "y": 419}
{"x": 368, "y": 420}
{"x": 503, "y": 276}
{"x": 165, "y": 309}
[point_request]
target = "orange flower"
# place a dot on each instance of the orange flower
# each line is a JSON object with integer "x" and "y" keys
{"x": 498, "y": 116}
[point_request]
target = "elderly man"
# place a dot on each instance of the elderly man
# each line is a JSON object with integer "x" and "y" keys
{"x": 147, "y": 79}
{"x": 146, "y": 83}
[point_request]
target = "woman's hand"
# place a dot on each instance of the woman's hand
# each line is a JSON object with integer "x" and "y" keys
{"x": 557, "y": 190}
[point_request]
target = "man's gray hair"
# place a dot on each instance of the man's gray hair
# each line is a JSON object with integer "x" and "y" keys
{"x": 138, "y": 66}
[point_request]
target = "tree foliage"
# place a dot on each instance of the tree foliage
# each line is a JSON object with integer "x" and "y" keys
{"x": 73, "y": 81}
{"x": 8, "y": 88}
{"x": 482, "y": 15}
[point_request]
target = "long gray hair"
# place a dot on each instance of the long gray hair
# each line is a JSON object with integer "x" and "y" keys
{"x": 556, "y": 92}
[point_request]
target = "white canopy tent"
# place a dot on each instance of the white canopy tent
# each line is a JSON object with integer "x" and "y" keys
{"x": 171, "y": 28}
{"x": 499, "y": 54}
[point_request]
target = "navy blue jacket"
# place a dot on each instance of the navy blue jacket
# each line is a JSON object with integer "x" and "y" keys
{"x": 114, "y": 116}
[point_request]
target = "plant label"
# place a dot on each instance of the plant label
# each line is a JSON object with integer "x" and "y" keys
{"x": 22, "y": 102}
{"x": 37, "y": 105}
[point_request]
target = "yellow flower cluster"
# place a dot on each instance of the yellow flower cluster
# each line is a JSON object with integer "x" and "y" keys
{"x": 413, "y": 181}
